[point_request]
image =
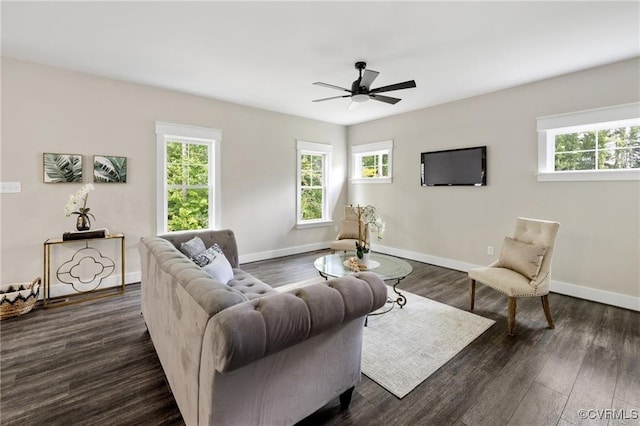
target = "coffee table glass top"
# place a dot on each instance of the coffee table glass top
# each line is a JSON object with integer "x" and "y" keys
{"x": 391, "y": 268}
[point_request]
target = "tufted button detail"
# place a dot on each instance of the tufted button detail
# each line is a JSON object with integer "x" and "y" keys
{"x": 298, "y": 294}
{"x": 257, "y": 307}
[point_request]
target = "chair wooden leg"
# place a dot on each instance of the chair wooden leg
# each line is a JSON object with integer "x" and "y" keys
{"x": 472, "y": 293}
{"x": 547, "y": 312}
{"x": 511, "y": 319}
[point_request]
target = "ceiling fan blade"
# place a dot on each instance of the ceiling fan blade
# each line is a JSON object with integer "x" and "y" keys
{"x": 398, "y": 86}
{"x": 333, "y": 97}
{"x": 331, "y": 86}
{"x": 387, "y": 99}
{"x": 367, "y": 78}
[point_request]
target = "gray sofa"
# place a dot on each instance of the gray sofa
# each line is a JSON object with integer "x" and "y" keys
{"x": 243, "y": 353}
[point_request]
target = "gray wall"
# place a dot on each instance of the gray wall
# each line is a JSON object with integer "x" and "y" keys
{"x": 598, "y": 246}
{"x": 51, "y": 110}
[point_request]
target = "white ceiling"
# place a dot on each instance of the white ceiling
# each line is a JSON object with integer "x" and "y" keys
{"x": 268, "y": 54}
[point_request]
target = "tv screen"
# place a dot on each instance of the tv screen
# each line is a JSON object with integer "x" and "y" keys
{"x": 454, "y": 167}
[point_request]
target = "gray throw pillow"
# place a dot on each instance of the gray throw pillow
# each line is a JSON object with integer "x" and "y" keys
{"x": 523, "y": 258}
{"x": 193, "y": 247}
{"x": 207, "y": 256}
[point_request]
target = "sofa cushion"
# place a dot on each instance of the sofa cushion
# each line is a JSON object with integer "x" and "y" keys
{"x": 248, "y": 285}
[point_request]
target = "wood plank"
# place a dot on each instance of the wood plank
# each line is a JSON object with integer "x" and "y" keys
{"x": 540, "y": 406}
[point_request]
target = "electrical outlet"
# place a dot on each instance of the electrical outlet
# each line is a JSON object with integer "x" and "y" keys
{"x": 489, "y": 251}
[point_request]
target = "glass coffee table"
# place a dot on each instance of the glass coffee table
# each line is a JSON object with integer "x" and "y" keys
{"x": 388, "y": 268}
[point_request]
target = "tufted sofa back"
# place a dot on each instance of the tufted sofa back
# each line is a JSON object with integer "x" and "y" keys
{"x": 225, "y": 238}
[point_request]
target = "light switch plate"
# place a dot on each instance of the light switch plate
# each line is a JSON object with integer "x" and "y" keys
{"x": 10, "y": 187}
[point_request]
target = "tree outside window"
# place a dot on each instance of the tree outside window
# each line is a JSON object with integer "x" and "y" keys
{"x": 609, "y": 149}
{"x": 187, "y": 186}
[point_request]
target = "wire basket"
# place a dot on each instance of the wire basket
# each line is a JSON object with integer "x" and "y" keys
{"x": 18, "y": 298}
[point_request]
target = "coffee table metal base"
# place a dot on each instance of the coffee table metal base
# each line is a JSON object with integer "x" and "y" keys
{"x": 400, "y": 301}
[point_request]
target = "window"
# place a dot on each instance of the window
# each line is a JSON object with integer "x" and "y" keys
{"x": 314, "y": 163}
{"x": 372, "y": 162}
{"x": 188, "y": 191}
{"x": 599, "y": 144}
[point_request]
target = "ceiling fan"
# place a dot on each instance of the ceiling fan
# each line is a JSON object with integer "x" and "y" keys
{"x": 361, "y": 91}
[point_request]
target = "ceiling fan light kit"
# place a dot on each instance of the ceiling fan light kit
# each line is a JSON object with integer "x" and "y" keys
{"x": 360, "y": 88}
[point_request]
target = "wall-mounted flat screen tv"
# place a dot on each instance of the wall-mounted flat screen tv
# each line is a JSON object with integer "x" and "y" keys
{"x": 454, "y": 167}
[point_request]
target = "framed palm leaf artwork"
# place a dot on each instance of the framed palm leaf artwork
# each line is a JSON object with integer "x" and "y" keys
{"x": 109, "y": 169}
{"x": 61, "y": 168}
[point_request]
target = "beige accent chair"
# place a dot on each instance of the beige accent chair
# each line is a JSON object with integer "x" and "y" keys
{"x": 348, "y": 231}
{"x": 523, "y": 268}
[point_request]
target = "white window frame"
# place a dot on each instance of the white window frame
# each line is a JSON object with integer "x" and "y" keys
{"x": 190, "y": 134}
{"x": 368, "y": 149}
{"x": 594, "y": 119}
{"x": 313, "y": 148}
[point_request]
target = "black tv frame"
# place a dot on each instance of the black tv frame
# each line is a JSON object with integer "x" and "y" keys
{"x": 483, "y": 160}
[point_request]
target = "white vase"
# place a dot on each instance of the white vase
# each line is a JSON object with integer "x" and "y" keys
{"x": 365, "y": 259}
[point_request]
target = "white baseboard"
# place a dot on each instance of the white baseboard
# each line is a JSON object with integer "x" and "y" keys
{"x": 270, "y": 254}
{"x": 573, "y": 290}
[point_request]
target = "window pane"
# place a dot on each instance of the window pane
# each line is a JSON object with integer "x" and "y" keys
{"x": 311, "y": 201}
{"x": 311, "y": 170}
{"x": 623, "y": 158}
{"x": 576, "y": 161}
{"x": 369, "y": 166}
{"x": 187, "y": 164}
{"x": 385, "y": 165}
{"x": 188, "y": 209}
{"x": 175, "y": 174}
{"x": 575, "y": 141}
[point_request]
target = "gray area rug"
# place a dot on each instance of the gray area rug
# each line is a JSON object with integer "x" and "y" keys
{"x": 403, "y": 347}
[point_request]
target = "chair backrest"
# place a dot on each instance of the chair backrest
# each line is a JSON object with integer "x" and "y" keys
{"x": 349, "y": 225}
{"x": 540, "y": 233}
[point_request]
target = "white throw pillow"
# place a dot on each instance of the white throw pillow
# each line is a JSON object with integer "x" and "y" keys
{"x": 521, "y": 257}
{"x": 220, "y": 269}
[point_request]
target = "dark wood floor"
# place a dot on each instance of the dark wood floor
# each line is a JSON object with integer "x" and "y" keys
{"x": 93, "y": 363}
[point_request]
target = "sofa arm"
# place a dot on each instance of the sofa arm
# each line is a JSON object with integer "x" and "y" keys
{"x": 249, "y": 331}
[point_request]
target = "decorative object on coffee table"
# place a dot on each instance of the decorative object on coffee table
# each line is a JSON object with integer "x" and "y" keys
{"x": 77, "y": 204}
{"x": 367, "y": 219}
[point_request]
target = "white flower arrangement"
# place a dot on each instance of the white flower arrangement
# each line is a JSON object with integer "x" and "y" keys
{"x": 77, "y": 203}
{"x": 368, "y": 216}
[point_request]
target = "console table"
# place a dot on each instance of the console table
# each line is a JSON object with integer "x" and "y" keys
{"x": 84, "y": 272}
